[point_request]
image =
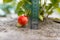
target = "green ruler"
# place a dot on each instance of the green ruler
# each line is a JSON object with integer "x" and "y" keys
{"x": 34, "y": 14}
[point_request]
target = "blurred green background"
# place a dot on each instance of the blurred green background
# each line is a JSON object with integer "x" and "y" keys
{"x": 9, "y": 8}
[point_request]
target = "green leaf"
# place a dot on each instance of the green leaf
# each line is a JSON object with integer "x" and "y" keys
{"x": 7, "y": 1}
{"x": 50, "y": 12}
{"x": 28, "y": 12}
{"x": 19, "y": 5}
{"x": 55, "y": 3}
{"x": 58, "y": 10}
{"x": 59, "y": 0}
{"x": 20, "y": 12}
{"x": 27, "y": 6}
{"x": 48, "y": 7}
{"x": 41, "y": 17}
{"x": 27, "y": 1}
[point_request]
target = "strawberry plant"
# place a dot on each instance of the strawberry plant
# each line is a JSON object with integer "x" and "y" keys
{"x": 45, "y": 9}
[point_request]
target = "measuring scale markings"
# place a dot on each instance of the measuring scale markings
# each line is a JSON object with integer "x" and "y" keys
{"x": 34, "y": 15}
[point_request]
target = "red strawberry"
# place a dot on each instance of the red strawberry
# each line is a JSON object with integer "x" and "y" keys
{"x": 23, "y": 20}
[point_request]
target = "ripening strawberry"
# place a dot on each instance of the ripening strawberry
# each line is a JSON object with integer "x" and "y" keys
{"x": 23, "y": 20}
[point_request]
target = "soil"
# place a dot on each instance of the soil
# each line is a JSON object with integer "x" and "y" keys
{"x": 48, "y": 30}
